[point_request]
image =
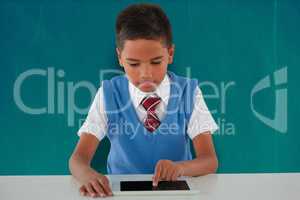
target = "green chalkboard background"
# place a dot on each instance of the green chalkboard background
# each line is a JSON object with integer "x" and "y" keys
{"x": 228, "y": 45}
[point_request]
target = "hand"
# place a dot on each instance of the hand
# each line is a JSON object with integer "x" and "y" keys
{"x": 95, "y": 184}
{"x": 167, "y": 170}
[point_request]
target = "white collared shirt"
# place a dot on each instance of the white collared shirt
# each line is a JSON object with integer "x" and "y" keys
{"x": 201, "y": 119}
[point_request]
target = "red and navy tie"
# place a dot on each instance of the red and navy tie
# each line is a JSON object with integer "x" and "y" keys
{"x": 152, "y": 121}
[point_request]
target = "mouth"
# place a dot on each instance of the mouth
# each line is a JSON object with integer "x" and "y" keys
{"x": 147, "y": 85}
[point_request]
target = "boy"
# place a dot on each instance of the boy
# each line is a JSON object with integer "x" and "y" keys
{"x": 149, "y": 114}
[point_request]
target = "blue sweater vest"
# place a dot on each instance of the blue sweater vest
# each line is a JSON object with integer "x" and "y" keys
{"x": 135, "y": 150}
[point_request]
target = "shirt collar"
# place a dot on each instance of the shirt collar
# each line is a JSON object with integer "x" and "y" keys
{"x": 163, "y": 91}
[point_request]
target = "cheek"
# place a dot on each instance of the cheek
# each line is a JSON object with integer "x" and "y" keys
{"x": 159, "y": 73}
{"x": 133, "y": 74}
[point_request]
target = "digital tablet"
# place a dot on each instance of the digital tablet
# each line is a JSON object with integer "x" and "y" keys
{"x": 141, "y": 185}
{"x": 147, "y": 185}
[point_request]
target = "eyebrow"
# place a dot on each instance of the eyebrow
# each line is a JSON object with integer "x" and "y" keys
{"x": 155, "y": 58}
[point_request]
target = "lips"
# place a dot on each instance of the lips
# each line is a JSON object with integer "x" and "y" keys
{"x": 147, "y": 84}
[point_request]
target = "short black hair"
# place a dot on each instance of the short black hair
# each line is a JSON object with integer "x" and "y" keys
{"x": 143, "y": 21}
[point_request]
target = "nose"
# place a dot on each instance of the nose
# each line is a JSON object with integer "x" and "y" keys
{"x": 146, "y": 71}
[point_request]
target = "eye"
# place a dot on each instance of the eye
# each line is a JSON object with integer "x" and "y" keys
{"x": 134, "y": 64}
{"x": 156, "y": 63}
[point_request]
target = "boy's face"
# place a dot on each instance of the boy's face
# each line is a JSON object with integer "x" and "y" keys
{"x": 145, "y": 62}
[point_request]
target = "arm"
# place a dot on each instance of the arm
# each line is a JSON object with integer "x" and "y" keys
{"x": 206, "y": 161}
{"x": 93, "y": 183}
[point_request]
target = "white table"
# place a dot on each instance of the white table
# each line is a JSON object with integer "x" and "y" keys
{"x": 215, "y": 186}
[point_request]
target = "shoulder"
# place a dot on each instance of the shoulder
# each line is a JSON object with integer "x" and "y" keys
{"x": 186, "y": 83}
{"x": 115, "y": 81}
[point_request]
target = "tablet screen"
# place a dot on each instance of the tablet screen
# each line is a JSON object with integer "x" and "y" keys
{"x": 147, "y": 185}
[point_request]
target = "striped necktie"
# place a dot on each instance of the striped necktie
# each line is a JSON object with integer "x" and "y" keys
{"x": 152, "y": 121}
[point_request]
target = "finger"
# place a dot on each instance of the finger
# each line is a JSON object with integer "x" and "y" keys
{"x": 163, "y": 173}
{"x": 90, "y": 190}
{"x": 169, "y": 173}
{"x": 105, "y": 186}
{"x": 104, "y": 180}
{"x": 83, "y": 190}
{"x": 98, "y": 188}
{"x": 157, "y": 174}
{"x": 175, "y": 175}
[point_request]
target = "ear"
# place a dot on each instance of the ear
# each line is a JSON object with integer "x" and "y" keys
{"x": 119, "y": 56}
{"x": 171, "y": 51}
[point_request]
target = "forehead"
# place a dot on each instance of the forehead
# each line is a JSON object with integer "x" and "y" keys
{"x": 142, "y": 49}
